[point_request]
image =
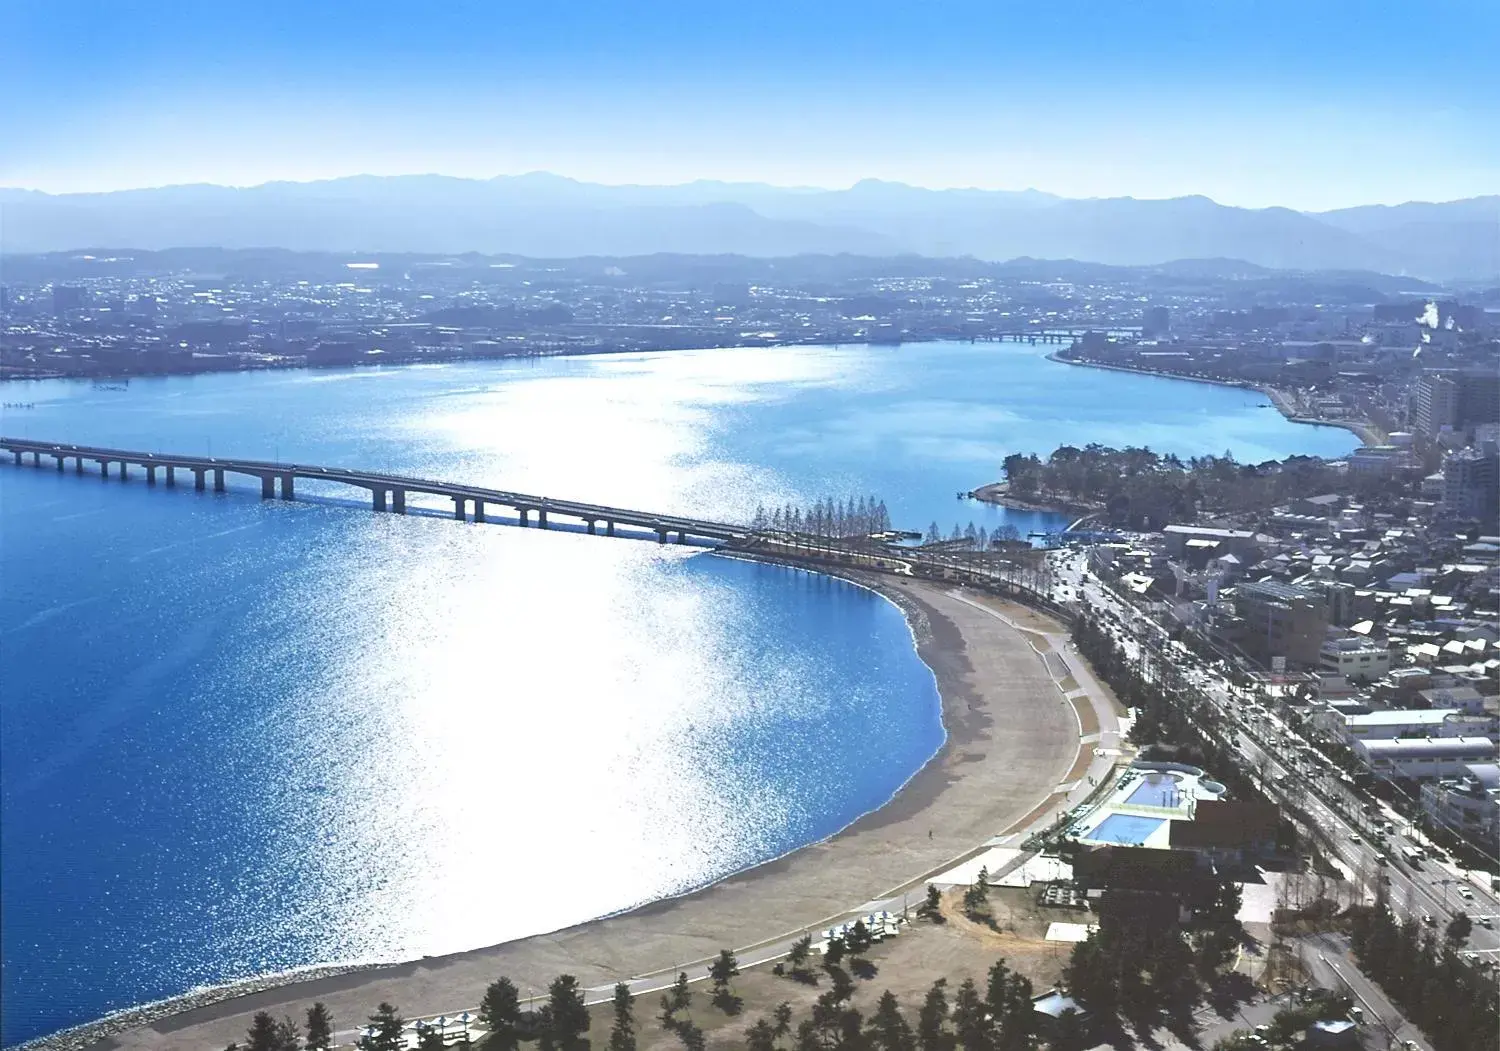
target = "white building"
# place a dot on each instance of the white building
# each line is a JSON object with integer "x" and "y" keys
{"x": 1424, "y": 758}
{"x": 1468, "y": 804}
{"x": 1416, "y": 722}
{"x": 1354, "y": 657}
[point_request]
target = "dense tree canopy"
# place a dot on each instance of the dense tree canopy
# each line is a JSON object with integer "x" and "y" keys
{"x": 1140, "y": 489}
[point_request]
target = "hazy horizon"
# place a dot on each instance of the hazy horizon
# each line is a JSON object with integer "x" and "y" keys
{"x": 730, "y": 183}
{"x": 1309, "y": 107}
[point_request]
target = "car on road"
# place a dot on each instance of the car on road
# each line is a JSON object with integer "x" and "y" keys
{"x": 1485, "y": 922}
{"x": 1427, "y": 919}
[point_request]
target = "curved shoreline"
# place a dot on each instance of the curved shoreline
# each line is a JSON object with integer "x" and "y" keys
{"x": 1366, "y": 432}
{"x": 884, "y": 848}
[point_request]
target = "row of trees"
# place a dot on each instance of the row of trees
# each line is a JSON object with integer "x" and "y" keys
{"x": 1137, "y": 488}
{"x": 1455, "y": 1005}
{"x": 970, "y": 538}
{"x": 998, "y": 1017}
{"x": 1160, "y": 715}
{"x": 828, "y": 518}
{"x": 267, "y": 1034}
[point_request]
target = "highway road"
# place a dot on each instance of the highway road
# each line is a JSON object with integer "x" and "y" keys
{"x": 1299, "y": 776}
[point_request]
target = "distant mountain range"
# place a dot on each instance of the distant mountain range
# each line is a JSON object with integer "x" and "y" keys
{"x": 544, "y": 215}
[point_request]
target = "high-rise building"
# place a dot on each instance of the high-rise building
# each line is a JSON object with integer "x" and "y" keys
{"x": 66, "y": 298}
{"x": 1434, "y": 403}
{"x": 1156, "y": 321}
{"x": 1471, "y": 483}
{"x": 1279, "y": 620}
{"x": 1478, "y": 397}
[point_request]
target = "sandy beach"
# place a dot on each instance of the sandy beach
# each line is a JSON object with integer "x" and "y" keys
{"x": 1012, "y": 738}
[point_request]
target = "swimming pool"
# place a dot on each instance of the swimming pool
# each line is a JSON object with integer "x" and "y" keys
{"x": 1125, "y": 828}
{"x": 1157, "y": 789}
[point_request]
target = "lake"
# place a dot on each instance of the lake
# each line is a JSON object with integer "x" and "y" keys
{"x": 239, "y": 736}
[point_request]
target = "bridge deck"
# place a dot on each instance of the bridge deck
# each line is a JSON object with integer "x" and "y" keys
{"x": 381, "y": 482}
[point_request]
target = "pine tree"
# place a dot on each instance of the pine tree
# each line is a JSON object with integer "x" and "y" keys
{"x": 567, "y": 1017}
{"x": 932, "y": 905}
{"x": 319, "y": 1028}
{"x": 760, "y": 1037}
{"x": 723, "y": 969}
{"x": 682, "y": 993}
{"x": 969, "y": 1023}
{"x": 385, "y": 1030}
{"x": 931, "y": 1034}
{"x": 622, "y": 1034}
{"x": 783, "y": 1019}
{"x": 691, "y": 1036}
{"x": 262, "y": 1033}
{"x": 288, "y": 1036}
{"x": 888, "y": 1030}
{"x": 859, "y": 939}
{"x": 500, "y": 1015}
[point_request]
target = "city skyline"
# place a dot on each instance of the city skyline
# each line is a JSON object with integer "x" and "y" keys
{"x": 1277, "y": 105}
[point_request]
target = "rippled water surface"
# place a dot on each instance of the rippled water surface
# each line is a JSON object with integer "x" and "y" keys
{"x": 239, "y": 736}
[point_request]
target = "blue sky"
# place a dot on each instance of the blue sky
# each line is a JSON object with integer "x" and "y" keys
{"x": 1318, "y": 103}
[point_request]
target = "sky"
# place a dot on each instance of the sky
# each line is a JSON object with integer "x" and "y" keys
{"x": 1310, "y": 104}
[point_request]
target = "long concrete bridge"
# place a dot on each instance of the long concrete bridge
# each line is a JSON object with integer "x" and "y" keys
{"x": 388, "y": 492}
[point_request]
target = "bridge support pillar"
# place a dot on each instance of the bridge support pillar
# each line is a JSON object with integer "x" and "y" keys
{"x": 661, "y": 536}
{"x": 609, "y": 529}
{"x": 525, "y": 514}
{"x": 541, "y": 519}
{"x": 478, "y": 510}
{"x": 218, "y": 479}
{"x": 171, "y": 475}
{"x": 17, "y": 454}
{"x": 78, "y": 465}
{"x": 36, "y": 459}
{"x": 591, "y": 526}
{"x": 377, "y": 497}
{"x": 681, "y": 536}
{"x": 267, "y": 486}
{"x": 151, "y": 474}
{"x": 398, "y": 501}
{"x": 124, "y": 471}
{"x": 61, "y": 462}
{"x": 459, "y": 503}
{"x": 287, "y": 492}
{"x": 198, "y": 474}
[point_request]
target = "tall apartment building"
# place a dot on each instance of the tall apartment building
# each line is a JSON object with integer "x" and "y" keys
{"x": 1471, "y": 483}
{"x": 1434, "y": 403}
{"x": 1278, "y": 620}
{"x": 1455, "y": 399}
